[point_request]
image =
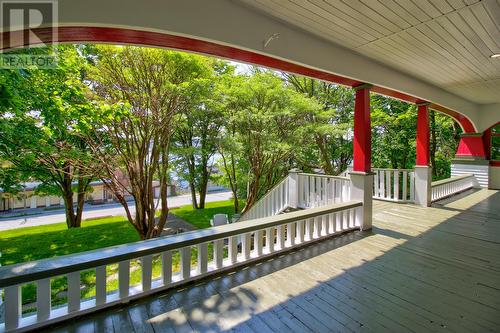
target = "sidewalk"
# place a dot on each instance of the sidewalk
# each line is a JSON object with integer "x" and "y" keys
{"x": 44, "y": 217}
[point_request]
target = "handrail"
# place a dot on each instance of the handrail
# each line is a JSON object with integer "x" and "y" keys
{"x": 261, "y": 200}
{"x": 46, "y": 268}
{"x": 451, "y": 180}
{"x": 390, "y": 169}
{"x": 323, "y": 175}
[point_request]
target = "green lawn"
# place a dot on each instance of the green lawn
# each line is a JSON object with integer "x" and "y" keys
{"x": 33, "y": 243}
{"x": 200, "y": 218}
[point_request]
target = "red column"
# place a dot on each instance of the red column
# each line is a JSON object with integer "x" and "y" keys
{"x": 423, "y": 137}
{"x": 487, "y": 143}
{"x": 362, "y": 130}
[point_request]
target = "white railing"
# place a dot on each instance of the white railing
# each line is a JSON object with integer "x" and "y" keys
{"x": 450, "y": 186}
{"x": 230, "y": 245}
{"x": 310, "y": 190}
{"x": 272, "y": 203}
{"x": 316, "y": 190}
{"x": 394, "y": 184}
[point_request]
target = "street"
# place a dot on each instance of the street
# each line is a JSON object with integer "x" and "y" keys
{"x": 89, "y": 211}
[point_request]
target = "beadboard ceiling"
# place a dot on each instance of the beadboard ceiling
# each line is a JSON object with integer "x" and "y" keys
{"x": 445, "y": 42}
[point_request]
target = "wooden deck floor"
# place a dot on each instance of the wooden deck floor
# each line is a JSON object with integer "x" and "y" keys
{"x": 421, "y": 269}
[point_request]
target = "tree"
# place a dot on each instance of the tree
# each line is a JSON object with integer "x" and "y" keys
{"x": 327, "y": 126}
{"x": 41, "y": 126}
{"x": 144, "y": 89}
{"x": 394, "y": 133}
{"x": 196, "y": 132}
{"x": 264, "y": 120}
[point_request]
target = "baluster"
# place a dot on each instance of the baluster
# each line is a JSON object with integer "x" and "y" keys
{"x": 218, "y": 253}
{"x": 309, "y": 229}
{"x": 202, "y": 264}
{"x": 245, "y": 245}
{"x": 332, "y": 220}
{"x": 346, "y": 219}
{"x": 291, "y": 234}
{"x": 312, "y": 196}
{"x": 388, "y": 184}
{"x": 324, "y": 191}
{"x": 352, "y": 222}
{"x": 42, "y": 299}
{"x": 300, "y": 180}
{"x": 257, "y": 243}
{"x": 73, "y": 291}
{"x": 358, "y": 211}
{"x": 338, "y": 192}
{"x": 405, "y": 185}
{"x": 306, "y": 192}
{"x": 270, "y": 240}
{"x": 233, "y": 249}
{"x": 185, "y": 262}
{"x": 166, "y": 265}
{"x": 324, "y": 225}
{"x": 300, "y": 232}
{"x": 12, "y": 305}
{"x": 147, "y": 272}
{"x": 338, "y": 221}
{"x": 100, "y": 285}
{"x": 396, "y": 185}
{"x": 124, "y": 278}
{"x": 317, "y": 227}
{"x": 412, "y": 186}
{"x": 280, "y": 237}
{"x": 382, "y": 184}
{"x": 375, "y": 185}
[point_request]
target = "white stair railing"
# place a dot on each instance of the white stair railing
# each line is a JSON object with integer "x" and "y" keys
{"x": 450, "y": 186}
{"x": 317, "y": 190}
{"x": 272, "y": 203}
{"x": 231, "y": 245}
{"x": 394, "y": 184}
{"x": 300, "y": 190}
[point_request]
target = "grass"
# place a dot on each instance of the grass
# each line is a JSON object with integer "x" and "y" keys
{"x": 34, "y": 243}
{"x": 200, "y": 218}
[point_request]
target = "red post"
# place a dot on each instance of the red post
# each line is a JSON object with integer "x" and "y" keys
{"x": 487, "y": 143}
{"x": 362, "y": 130}
{"x": 471, "y": 145}
{"x": 423, "y": 135}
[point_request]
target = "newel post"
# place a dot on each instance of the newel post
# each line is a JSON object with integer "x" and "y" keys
{"x": 293, "y": 188}
{"x": 361, "y": 175}
{"x": 423, "y": 172}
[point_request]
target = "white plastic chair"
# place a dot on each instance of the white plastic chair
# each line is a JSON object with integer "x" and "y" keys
{"x": 219, "y": 219}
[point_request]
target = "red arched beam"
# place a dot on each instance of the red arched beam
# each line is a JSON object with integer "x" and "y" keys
{"x": 147, "y": 38}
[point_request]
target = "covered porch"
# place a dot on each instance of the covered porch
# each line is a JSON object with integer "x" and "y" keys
{"x": 424, "y": 259}
{"x": 418, "y": 269}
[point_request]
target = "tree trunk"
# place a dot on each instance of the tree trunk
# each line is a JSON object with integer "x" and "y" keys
{"x": 194, "y": 201}
{"x": 203, "y": 187}
{"x": 71, "y": 220}
{"x": 327, "y": 163}
{"x": 203, "y": 193}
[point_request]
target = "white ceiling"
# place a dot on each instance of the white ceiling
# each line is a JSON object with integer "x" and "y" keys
{"x": 445, "y": 42}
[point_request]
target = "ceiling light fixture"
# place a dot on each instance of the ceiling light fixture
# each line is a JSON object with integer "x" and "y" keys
{"x": 495, "y": 55}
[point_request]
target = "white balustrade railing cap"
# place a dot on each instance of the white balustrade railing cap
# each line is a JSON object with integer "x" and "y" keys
{"x": 325, "y": 176}
{"x": 451, "y": 180}
{"x": 46, "y": 268}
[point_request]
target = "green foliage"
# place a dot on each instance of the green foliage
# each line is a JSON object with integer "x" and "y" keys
{"x": 393, "y": 134}
{"x": 40, "y": 129}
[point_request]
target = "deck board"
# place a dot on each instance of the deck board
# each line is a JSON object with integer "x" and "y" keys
{"x": 419, "y": 269}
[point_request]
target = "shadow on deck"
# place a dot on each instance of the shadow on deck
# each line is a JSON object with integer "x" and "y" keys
{"x": 420, "y": 269}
